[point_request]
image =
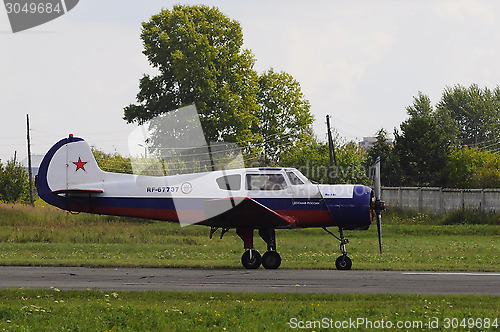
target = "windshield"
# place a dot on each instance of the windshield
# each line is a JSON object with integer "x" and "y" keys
{"x": 296, "y": 177}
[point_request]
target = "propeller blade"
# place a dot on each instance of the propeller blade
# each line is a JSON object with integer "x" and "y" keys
{"x": 378, "y": 191}
{"x": 379, "y": 231}
{"x": 379, "y": 205}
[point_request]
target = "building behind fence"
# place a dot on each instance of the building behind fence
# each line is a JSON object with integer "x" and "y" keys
{"x": 440, "y": 199}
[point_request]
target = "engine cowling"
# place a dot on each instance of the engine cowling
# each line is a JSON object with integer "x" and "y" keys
{"x": 350, "y": 206}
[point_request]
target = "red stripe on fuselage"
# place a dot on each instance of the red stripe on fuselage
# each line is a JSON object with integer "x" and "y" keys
{"x": 309, "y": 218}
{"x": 304, "y": 218}
{"x": 157, "y": 214}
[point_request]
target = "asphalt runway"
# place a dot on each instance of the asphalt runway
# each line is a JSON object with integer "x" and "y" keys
{"x": 241, "y": 280}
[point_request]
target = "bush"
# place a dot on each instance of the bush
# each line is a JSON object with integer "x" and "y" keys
{"x": 470, "y": 217}
{"x": 399, "y": 216}
{"x": 14, "y": 183}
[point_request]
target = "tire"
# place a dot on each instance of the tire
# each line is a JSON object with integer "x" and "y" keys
{"x": 253, "y": 262}
{"x": 343, "y": 263}
{"x": 271, "y": 260}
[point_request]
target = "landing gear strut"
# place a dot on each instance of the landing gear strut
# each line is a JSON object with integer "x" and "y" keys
{"x": 251, "y": 258}
{"x": 343, "y": 262}
{"x": 271, "y": 259}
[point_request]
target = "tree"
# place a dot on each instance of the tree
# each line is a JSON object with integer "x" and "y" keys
{"x": 311, "y": 158}
{"x": 422, "y": 145}
{"x": 475, "y": 111}
{"x": 421, "y": 106}
{"x": 112, "y": 162}
{"x": 14, "y": 185}
{"x": 351, "y": 158}
{"x": 198, "y": 53}
{"x": 472, "y": 168}
{"x": 389, "y": 163}
{"x": 285, "y": 116}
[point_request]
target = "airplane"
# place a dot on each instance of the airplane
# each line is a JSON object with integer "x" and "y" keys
{"x": 246, "y": 199}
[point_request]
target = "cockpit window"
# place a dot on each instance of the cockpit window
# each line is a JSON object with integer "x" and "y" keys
{"x": 266, "y": 182}
{"x": 294, "y": 179}
{"x": 229, "y": 182}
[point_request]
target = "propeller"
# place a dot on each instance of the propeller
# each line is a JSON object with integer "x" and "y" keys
{"x": 379, "y": 204}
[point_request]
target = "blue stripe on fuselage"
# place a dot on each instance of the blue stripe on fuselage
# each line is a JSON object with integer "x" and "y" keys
{"x": 349, "y": 213}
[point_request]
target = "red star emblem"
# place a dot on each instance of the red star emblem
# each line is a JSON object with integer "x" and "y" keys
{"x": 79, "y": 164}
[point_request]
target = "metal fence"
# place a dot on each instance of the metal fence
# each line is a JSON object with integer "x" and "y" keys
{"x": 440, "y": 199}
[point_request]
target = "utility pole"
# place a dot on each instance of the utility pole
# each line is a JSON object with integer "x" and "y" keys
{"x": 30, "y": 173}
{"x": 331, "y": 149}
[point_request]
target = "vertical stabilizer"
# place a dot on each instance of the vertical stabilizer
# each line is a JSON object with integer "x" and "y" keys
{"x": 68, "y": 167}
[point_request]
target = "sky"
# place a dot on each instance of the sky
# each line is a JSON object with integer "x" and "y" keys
{"x": 359, "y": 61}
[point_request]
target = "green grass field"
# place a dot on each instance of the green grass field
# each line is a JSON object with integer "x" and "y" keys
{"x": 46, "y": 236}
{"x": 412, "y": 241}
{"x": 44, "y": 310}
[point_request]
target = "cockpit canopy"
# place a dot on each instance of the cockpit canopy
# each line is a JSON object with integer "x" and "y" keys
{"x": 254, "y": 179}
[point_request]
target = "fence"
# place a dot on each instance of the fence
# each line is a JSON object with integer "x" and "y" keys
{"x": 441, "y": 200}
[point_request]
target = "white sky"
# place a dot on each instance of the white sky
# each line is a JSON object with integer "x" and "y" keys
{"x": 359, "y": 61}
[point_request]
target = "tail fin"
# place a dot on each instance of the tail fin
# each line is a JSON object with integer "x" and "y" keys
{"x": 68, "y": 168}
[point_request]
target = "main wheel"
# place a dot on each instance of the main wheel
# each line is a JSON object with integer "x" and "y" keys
{"x": 271, "y": 260}
{"x": 343, "y": 263}
{"x": 251, "y": 259}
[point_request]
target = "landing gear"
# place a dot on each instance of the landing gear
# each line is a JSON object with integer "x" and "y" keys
{"x": 271, "y": 260}
{"x": 343, "y": 262}
{"x": 251, "y": 258}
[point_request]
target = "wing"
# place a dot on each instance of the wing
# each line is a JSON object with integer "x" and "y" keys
{"x": 243, "y": 212}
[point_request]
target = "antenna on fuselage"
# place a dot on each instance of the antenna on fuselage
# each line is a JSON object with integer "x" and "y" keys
{"x": 331, "y": 149}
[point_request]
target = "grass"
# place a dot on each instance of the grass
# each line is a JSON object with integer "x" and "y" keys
{"x": 36, "y": 310}
{"x": 457, "y": 217}
{"x": 46, "y": 236}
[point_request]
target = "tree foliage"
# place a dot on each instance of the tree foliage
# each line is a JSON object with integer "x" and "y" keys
{"x": 285, "y": 116}
{"x": 422, "y": 145}
{"x": 199, "y": 57}
{"x": 312, "y": 159}
{"x": 112, "y": 162}
{"x": 14, "y": 183}
{"x": 389, "y": 162}
{"x": 351, "y": 159}
{"x": 432, "y": 147}
{"x": 198, "y": 53}
{"x": 472, "y": 168}
{"x": 475, "y": 112}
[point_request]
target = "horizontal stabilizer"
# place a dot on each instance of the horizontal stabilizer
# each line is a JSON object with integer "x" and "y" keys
{"x": 77, "y": 191}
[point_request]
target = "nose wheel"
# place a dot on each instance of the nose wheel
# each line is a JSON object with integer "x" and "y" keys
{"x": 343, "y": 262}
